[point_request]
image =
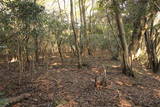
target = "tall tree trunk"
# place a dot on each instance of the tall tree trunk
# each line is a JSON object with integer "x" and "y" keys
{"x": 115, "y": 54}
{"x": 81, "y": 27}
{"x": 36, "y": 43}
{"x": 85, "y": 26}
{"x": 127, "y": 68}
{"x": 151, "y": 38}
{"x": 90, "y": 17}
{"x": 151, "y": 51}
{"x": 27, "y": 51}
{"x": 84, "y": 18}
{"x": 90, "y": 51}
{"x": 59, "y": 41}
{"x": 75, "y": 35}
{"x": 139, "y": 26}
{"x": 36, "y": 49}
{"x": 60, "y": 50}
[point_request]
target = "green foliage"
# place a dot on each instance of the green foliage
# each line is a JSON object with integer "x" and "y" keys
{"x": 21, "y": 21}
{"x": 3, "y": 102}
{"x": 25, "y": 10}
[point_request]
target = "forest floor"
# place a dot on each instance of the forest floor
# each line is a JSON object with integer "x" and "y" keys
{"x": 63, "y": 85}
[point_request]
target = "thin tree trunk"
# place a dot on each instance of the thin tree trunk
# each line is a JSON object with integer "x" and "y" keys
{"x": 84, "y": 18}
{"x": 36, "y": 49}
{"x": 151, "y": 47}
{"x": 152, "y": 56}
{"x": 59, "y": 42}
{"x": 115, "y": 55}
{"x": 60, "y": 50}
{"x": 81, "y": 27}
{"x": 127, "y": 68}
{"x": 75, "y": 35}
{"x": 139, "y": 26}
{"x": 83, "y": 2}
{"x": 90, "y": 18}
{"x": 90, "y": 29}
{"x": 36, "y": 43}
{"x": 26, "y": 52}
{"x": 73, "y": 50}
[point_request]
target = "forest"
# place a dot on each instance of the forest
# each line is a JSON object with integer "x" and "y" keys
{"x": 79, "y": 53}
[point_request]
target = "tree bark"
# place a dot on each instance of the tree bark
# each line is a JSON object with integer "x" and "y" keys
{"x": 60, "y": 50}
{"x": 127, "y": 68}
{"x": 75, "y": 35}
{"x": 151, "y": 47}
{"x": 36, "y": 49}
{"x": 151, "y": 51}
{"x": 139, "y": 26}
{"x": 36, "y": 43}
{"x": 59, "y": 42}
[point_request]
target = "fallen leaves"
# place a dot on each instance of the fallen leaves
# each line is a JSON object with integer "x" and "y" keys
{"x": 72, "y": 87}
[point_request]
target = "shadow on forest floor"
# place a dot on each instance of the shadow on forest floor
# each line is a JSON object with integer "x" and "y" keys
{"x": 63, "y": 85}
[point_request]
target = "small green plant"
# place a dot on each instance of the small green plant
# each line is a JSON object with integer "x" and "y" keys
{"x": 3, "y": 102}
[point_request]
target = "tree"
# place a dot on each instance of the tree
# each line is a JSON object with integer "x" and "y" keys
{"x": 127, "y": 67}
{"x": 139, "y": 25}
{"x": 75, "y": 35}
{"x": 152, "y": 41}
{"x": 23, "y": 18}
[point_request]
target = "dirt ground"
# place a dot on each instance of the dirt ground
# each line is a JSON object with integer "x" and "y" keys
{"x": 63, "y": 85}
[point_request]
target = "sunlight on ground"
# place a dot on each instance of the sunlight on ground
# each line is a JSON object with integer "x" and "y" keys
{"x": 67, "y": 104}
{"x": 157, "y": 77}
{"x": 149, "y": 73}
{"x": 141, "y": 87}
{"x": 66, "y": 56}
{"x": 157, "y": 93}
{"x": 125, "y": 103}
{"x": 95, "y": 70}
{"x": 145, "y": 69}
{"x": 128, "y": 84}
{"x": 56, "y": 63}
{"x": 119, "y": 83}
{"x": 154, "y": 76}
{"x": 13, "y": 60}
{"x": 140, "y": 73}
{"x": 122, "y": 83}
{"x": 115, "y": 66}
